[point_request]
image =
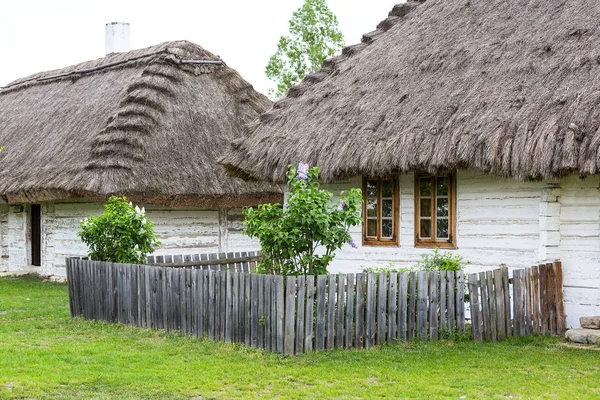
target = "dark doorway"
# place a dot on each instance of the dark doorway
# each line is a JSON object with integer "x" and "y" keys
{"x": 36, "y": 235}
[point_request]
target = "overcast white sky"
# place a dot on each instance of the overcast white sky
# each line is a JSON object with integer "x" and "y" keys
{"x": 40, "y": 35}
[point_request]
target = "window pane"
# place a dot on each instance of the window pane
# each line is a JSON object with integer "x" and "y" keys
{"x": 386, "y": 228}
{"x": 372, "y": 227}
{"x": 425, "y": 207}
{"x": 442, "y": 207}
{"x": 387, "y": 189}
{"x": 442, "y": 186}
{"x": 425, "y": 228}
{"x": 372, "y": 188}
{"x": 442, "y": 229}
{"x": 386, "y": 208}
{"x": 371, "y": 207}
{"x": 425, "y": 187}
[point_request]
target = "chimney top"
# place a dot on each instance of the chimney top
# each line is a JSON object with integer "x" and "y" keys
{"x": 117, "y": 37}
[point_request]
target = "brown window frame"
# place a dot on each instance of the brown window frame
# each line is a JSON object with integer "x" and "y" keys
{"x": 382, "y": 241}
{"x": 433, "y": 241}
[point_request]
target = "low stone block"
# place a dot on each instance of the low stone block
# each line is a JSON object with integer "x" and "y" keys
{"x": 590, "y": 322}
{"x": 585, "y": 336}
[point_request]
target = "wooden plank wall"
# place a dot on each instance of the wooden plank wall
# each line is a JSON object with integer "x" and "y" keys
{"x": 533, "y": 305}
{"x": 294, "y": 315}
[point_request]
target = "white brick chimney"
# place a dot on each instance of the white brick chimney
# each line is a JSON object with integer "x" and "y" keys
{"x": 117, "y": 37}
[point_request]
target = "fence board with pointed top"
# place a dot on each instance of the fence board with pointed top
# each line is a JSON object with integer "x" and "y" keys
{"x": 304, "y": 314}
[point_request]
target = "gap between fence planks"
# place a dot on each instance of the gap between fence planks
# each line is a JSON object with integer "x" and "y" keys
{"x": 304, "y": 314}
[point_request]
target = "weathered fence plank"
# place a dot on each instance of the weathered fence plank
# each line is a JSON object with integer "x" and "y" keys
{"x": 359, "y": 317}
{"x": 290, "y": 307}
{"x": 349, "y": 310}
{"x": 331, "y": 297}
{"x": 339, "y": 327}
{"x": 308, "y": 322}
{"x": 279, "y": 295}
{"x": 402, "y": 305}
{"x": 474, "y": 304}
{"x": 499, "y": 300}
{"x": 433, "y": 305}
{"x": 382, "y": 290}
{"x": 300, "y": 315}
{"x": 320, "y": 317}
{"x": 493, "y": 308}
{"x": 561, "y": 323}
{"x": 422, "y": 309}
{"x": 460, "y": 301}
{"x": 392, "y": 307}
{"x": 371, "y": 312}
{"x": 443, "y": 325}
{"x": 412, "y": 297}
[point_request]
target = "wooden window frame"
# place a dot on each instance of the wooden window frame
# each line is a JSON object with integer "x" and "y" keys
{"x": 379, "y": 241}
{"x": 433, "y": 242}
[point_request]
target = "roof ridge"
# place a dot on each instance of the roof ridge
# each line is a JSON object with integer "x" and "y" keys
{"x": 169, "y": 52}
{"x": 395, "y": 16}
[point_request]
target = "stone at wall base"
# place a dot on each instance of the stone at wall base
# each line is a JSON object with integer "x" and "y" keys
{"x": 590, "y": 322}
{"x": 585, "y": 336}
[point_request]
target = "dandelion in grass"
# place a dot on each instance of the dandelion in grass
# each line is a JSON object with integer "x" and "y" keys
{"x": 302, "y": 171}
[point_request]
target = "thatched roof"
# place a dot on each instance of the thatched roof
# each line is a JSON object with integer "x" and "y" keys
{"x": 509, "y": 87}
{"x": 148, "y": 123}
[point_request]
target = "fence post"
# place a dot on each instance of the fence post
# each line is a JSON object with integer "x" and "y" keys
{"x": 560, "y": 313}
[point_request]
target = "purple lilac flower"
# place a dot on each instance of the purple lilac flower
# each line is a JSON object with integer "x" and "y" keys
{"x": 285, "y": 206}
{"x": 352, "y": 243}
{"x": 341, "y": 206}
{"x": 302, "y": 171}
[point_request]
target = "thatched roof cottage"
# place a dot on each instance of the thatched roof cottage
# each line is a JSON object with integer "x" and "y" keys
{"x": 471, "y": 125}
{"x": 149, "y": 124}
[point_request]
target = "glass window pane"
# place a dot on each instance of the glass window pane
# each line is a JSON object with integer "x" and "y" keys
{"x": 442, "y": 229}
{"x": 371, "y": 207}
{"x": 442, "y": 207}
{"x": 425, "y": 187}
{"x": 425, "y": 228}
{"x": 442, "y": 186}
{"x": 372, "y": 188}
{"x": 386, "y": 208}
{"x": 387, "y": 189}
{"x": 386, "y": 228}
{"x": 372, "y": 227}
{"x": 425, "y": 207}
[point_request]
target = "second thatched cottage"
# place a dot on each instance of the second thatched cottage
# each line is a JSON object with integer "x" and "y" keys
{"x": 149, "y": 124}
{"x": 472, "y": 126}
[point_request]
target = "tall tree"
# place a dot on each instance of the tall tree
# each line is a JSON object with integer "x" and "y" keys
{"x": 313, "y": 37}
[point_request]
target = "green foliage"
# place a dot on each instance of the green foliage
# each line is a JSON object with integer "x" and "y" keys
{"x": 121, "y": 234}
{"x": 387, "y": 269}
{"x": 314, "y": 36}
{"x": 290, "y": 235}
{"x": 441, "y": 261}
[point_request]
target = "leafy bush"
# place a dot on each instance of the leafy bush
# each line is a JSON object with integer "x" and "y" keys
{"x": 387, "y": 269}
{"x": 121, "y": 234}
{"x": 300, "y": 237}
{"x": 441, "y": 261}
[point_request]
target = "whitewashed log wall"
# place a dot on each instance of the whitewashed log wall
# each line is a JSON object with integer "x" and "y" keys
{"x": 502, "y": 221}
{"x": 181, "y": 231}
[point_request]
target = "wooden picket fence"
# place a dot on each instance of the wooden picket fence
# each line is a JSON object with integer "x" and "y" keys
{"x": 537, "y": 302}
{"x": 294, "y": 315}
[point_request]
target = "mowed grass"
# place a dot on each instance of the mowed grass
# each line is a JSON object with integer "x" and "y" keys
{"x": 46, "y": 354}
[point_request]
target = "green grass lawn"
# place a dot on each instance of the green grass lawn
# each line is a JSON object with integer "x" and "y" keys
{"x": 46, "y": 354}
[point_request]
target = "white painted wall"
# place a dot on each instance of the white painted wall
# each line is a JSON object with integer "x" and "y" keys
{"x": 502, "y": 221}
{"x": 181, "y": 231}
{"x": 3, "y": 237}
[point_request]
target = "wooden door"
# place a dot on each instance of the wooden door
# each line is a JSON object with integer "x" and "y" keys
{"x": 36, "y": 235}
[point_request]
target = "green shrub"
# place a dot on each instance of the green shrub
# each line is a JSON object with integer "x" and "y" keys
{"x": 387, "y": 269}
{"x": 300, "y": 237}
{"x": 441, "y": 261}
{"x": 121, "y": 234}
